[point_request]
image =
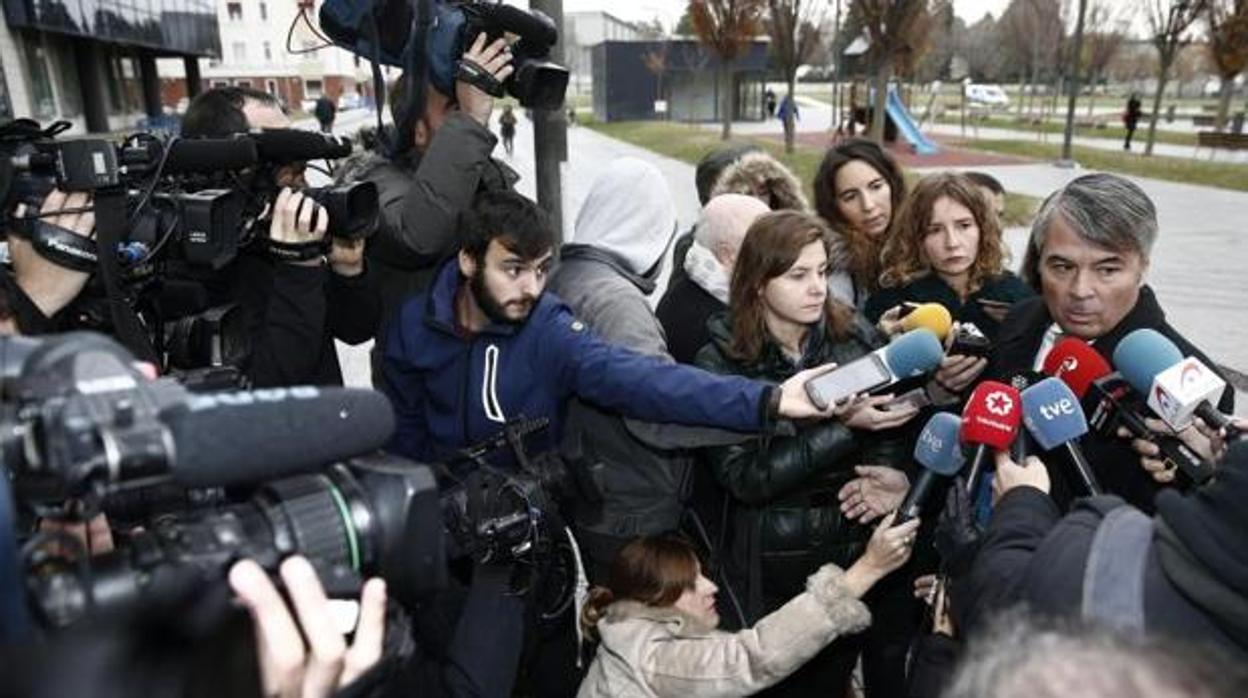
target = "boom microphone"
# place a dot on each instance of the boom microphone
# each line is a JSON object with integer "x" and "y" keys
{"x": 932, "y": 316}
{"x": 1108, "y": 402}
{"x": 912, "y": 354}
{"x": 1053, "y": 416}
{"x": 1176, "y": 388}
{"x": 286, "y": 145}
{"x": 989, "y": 423}
{"x": 194, "y": 155}
{"x": 940, "y": 454}
{"x": 222, "y": 439}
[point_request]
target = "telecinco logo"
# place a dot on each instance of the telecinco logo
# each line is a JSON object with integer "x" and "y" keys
{"x": 999, "y": 403}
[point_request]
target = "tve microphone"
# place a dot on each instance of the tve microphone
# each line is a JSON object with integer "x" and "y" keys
{"x": 940, "y": 453}
{"x": 1174, "y": 387}
{"x": 932, "y": 316}
{"x": 222, "y": 439}
{"x": 912, "y": 354}
{"x": 989, "y": 423}
{"x": 286, "y": 145}
{"x": 1054, "y": 417}
{"x": 1108, "y": 402}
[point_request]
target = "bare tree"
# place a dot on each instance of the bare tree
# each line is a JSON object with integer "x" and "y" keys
{"x": 794, "y": 27}
{"x": 1228, "y": 47}
{"x": 1033, "y": 30}
{"x": 1169, "y": 22}
{"x": 1101, "y": 45}
{"x": 655, "y": 61}
{"x": 896, "y": 29}
{"x": 726, "y": 27}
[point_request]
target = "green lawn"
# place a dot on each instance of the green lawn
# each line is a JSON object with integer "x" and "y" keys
{"x": 691, "y": 143}
{"x": 1115, "y": 133}
{"x": 1185, "y": 170}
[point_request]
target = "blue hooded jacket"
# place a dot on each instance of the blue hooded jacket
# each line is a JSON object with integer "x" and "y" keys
{"x": 450, "y": 390}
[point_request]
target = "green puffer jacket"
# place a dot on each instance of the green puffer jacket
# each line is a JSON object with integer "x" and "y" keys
{"x": 785, "y": 519}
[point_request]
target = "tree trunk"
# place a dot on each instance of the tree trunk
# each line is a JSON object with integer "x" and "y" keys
{"x": 1224, "y": 102}
{"x": 790, "y": 127}
{"x": 1152, "y": 121}
{"x": 882, "y": 71}
{"x": 725, "y": 100}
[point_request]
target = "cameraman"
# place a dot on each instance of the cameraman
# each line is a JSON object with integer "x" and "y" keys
{"x": 293, "y": 309}
{"x": 423, "y": 191}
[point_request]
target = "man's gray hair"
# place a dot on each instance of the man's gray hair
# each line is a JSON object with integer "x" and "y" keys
{"x": 1104, "y": 209}
{"x": 1023, "y": 656}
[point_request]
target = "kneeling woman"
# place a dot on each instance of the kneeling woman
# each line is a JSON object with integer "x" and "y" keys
{"x": 786, "y": 519}
{"x": 656, "y": 622}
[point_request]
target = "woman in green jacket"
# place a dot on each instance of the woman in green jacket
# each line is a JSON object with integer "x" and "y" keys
{"x": 785, "y": 517}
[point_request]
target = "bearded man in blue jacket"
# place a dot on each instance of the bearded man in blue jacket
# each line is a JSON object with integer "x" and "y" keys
{"x": 484, "y": 345}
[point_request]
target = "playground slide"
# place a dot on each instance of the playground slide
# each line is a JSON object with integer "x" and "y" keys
{"x": 906, "y": 125}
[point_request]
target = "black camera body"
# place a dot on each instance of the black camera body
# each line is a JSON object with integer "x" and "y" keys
{"x": 536, "y": 82}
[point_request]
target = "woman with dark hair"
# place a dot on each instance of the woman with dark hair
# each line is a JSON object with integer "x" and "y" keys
{"x": 947, "y": 248}
{"x": 858, "y": 190}
{"x": 786, "y": 519}
{"x": 656, "y": 621}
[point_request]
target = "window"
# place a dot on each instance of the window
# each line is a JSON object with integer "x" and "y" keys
{"x": 271, "y": 87}
{"x": 243, "y": 83}
{"x": 268, "y": 51}
{"x": 312, "y": 88}
{"x": 220, "y": 83}
{"x": 239, "y": 52}
{"x": 264, "y": 12}
{"x": 43, "y": 101}
{"x": 234, "y": 10}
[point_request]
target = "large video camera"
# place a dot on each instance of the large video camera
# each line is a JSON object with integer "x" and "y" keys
{"x": 388, "y": 32}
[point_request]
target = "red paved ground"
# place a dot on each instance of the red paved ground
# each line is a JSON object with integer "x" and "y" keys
{"x": 950, "y": 154}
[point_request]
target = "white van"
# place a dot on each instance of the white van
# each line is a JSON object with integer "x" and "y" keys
{"x": 987, "y": 95}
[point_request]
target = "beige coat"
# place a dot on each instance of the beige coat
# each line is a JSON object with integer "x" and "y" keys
{"x": 649, "y": 651}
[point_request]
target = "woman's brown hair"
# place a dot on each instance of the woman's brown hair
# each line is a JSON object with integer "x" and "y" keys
{"x": 903, "y": 258}
{"x": 653, "y": 570}
{"x": 771, "y": 246}
{"x": 864, "y": 249}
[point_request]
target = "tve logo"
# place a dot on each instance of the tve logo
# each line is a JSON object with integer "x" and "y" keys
{"x": 1053, "y": 410}
{"x": 931, "y": 441}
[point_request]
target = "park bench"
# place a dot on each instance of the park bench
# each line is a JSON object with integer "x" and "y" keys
{"x": 1217, "y": 139}
{"x": 1203, "y": 119}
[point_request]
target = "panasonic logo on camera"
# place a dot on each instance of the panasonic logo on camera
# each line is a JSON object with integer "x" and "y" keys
{"x": 199, "y": 403}
{"x": 71, "y": 251}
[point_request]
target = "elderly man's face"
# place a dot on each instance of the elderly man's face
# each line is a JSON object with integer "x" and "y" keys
{"x": 1088, "y": 289}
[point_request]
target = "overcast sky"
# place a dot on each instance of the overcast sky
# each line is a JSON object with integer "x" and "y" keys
{"x": 670, "y": 10}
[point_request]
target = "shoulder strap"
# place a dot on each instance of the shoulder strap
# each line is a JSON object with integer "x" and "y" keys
{"x": 1113, "y": 582}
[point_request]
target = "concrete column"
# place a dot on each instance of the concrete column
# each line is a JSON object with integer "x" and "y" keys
{"x": 89, "y": 59}
{"x": 194, "y": 84}
{"x": 151, "y": 85}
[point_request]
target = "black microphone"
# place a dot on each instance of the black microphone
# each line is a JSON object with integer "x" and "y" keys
{"x": 195, "y": 155}
{"x": 535, "y": 27}
{"x": 222, "y": 439}
{"x": 286, "y": 145}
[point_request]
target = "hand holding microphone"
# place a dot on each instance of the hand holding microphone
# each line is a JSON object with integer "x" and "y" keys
{"x": 911, "y": 316}
{"x": 1010, "y": 475}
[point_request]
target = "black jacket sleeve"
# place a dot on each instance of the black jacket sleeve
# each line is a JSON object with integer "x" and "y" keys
{"x": 354, "y": 307}
{"x": 285, "y": 307}
{"x": 771, "y": 466}
{"x": 1020, "y": 522}
{"x": 419, "y": 217}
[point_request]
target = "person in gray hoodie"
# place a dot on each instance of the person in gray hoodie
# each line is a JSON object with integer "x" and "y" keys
{"x": 605, "y": 274}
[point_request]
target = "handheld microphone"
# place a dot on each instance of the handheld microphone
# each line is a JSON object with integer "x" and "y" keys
{"x": 940, "y": 453}
{"x": 286, "y": 145}
{"x": 1022, "y": 446}
{"x": 1176, "y": 388}
{"x": 931, "y": 316}
{"x": 223, "y": 439}
{"x": 1054, "y": 417}
{"x": 912, "y": 354}
{"x": 1108, "y": 402}
{"x": 990, "y": 422}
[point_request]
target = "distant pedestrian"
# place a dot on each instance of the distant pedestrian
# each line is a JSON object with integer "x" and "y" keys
{"x": 1131, "y": 118}
{"x": 571, "y": 116}
{"x": 786, "y": 105}
{"x": 769, "y": 99}
{"x": 507, "y": 129}
{"x": 325, "y": 110}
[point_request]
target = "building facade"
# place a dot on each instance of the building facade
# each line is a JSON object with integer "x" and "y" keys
{"x": 254, "y": 53}
{"x": 582, "y": 31}
{"x": 94, "y": 62}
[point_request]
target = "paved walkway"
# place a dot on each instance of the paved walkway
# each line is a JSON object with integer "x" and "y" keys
{"x": 1199, "y": 268}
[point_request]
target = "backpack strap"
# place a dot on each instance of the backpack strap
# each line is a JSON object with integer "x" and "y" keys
{"x": 1113, "y": 582}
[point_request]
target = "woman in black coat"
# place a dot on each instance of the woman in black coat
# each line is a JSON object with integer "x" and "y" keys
{"x": 785, "y": 518}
